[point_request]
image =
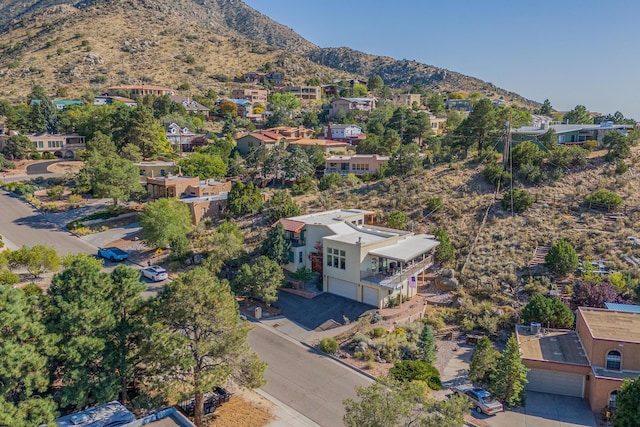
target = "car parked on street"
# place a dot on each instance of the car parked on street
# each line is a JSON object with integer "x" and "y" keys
{"x": 481, "y": 400}
{"x": 113, "y": 254}
{"x": 155, "y": 273}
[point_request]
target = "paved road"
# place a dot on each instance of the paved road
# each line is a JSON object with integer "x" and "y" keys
{"x": 310, "y": 383}
{"x": 24, "y": 225}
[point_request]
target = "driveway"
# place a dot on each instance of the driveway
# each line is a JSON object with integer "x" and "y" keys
{"x": 40, "y": 168}
{"x": 325, "y": 309}
{"x": 545, "y": 410}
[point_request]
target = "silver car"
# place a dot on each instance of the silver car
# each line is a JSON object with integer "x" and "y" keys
{"x": 155, "y": 273}
{"x": 481, "y": 400}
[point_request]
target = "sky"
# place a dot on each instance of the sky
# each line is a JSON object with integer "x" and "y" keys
{"x": 568, "y": 51}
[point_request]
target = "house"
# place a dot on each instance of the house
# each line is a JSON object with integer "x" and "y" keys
{"x": 331, "y": 90}
{"x": 459, "y": 104}
{"x": 260, "y": 139}
{"x": 276, "y": 78}
{"x": 347, "y": 133}
{"x": 155, "y": 168}
{"x": 590, "y": 362}
{"x": 244, "y": 106}
{"x": 115, "y": 414}
{"x": 190, "y": 105}
{"x": 357, "y": 260}
{"x": 253, "y": 77}
{"x": 292, "y": 131}
{"x": 327, "y": 145}
{"x": 139, "y": 90}
{"x": 251, "y": 95}
{"x": 304, "y": 93}
{"x": 568, "y": 133}
{"x": 62, "y": 146}
{"x": 182, "y": 139}
{"x": 345, "y": 105}
{"x": 109, "y": 100}
{"x": 205, "y": 198}
{"x": 407, "y": 99}
{"x": 438, "y": 124}
{"x": 357, "y": 164}
{"x": 60, "y": 104}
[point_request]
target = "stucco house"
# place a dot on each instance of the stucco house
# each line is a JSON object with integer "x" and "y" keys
{"x": 109, "y": 100}
{"x": 182, "y": 139}
{"x": 261, "y": 139}
{"x": 155, "y": 168}
{"x": 139, "y": 90}
{"x": 590, "y": 362}
{"x": 327, "y": 145}
{"x": 190, "y": 105}
{"x": 569, "y": 133}
{"x": 357, "y": 260}
{"x": 251, "y": 95}
{"x": 344, "y": 105}
{"x": 344, "y": 132}
{"x": 357, "y": 164}
{"x": 407, "y": 99}
{"x": 305, "y": 93}
{"x": 60, "y": 145}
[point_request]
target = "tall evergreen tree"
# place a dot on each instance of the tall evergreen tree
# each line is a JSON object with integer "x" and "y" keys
{"x": 427, "y": 345}
{"x": 483, "y": 359}
{"x": 275, "y": 246}
{"x": 510, "y": 376}
{"x": 24, "y": 374}
{"x": 200, "y": 339}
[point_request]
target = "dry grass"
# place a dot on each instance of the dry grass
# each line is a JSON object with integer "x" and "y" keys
{"x": 244, "y": 409}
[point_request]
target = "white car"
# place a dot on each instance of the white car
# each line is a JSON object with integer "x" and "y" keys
{"x": 155, "y": 273}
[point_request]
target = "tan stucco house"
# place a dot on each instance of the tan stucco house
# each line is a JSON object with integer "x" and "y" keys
{"x": 357, "y": 164}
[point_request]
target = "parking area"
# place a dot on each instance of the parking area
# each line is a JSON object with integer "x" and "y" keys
{"x": 322, "y": 311}
{"x": 545, "y": 410}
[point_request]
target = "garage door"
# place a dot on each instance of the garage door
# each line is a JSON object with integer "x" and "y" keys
{"x": 555, "y": 382}
{"x": 370, "y": 296}
{"x": 342, "y": 288}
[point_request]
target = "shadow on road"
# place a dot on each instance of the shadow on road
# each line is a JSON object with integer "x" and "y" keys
{"x": 36, "y": 221}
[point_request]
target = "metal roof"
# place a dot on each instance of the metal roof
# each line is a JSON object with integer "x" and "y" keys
{"x": 628, "y": 308}
{"x": 109, "y": 414}
{"x": 408, "y": 248}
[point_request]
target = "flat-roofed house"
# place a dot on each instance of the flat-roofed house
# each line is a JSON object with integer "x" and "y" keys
{"x": 590, "y": 362}
{"x": 357, "y": 260}
{"x": 139, "y": 90}
{"x": 357, "y": 164}
{"x": 62, "y": 146}
{"x": 344, "y": 105}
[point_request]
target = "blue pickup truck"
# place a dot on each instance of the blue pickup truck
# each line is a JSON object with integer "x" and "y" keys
{"x": 113, "y": 254}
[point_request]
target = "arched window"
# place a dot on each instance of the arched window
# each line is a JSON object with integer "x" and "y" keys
{"x": 613, "y": 360}
{"x": 612, "y": 399}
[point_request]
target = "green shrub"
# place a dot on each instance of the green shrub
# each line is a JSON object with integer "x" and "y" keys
{"x": 48, "y": 156}
{"x": 6, "y": 164}
{"x": 330, "y": 181}
{"x": 621, "y": 167}
{"x": 75, "y": 199}
{"x": 8, "y": 278}
{"x": 36, "y": 156}
{"x": 522, "y": 200}
{"x": 494, "y": 173}
{"x": 605, "y": 197}
{"x": 378, "y": 331}
{"x": 412, "y": 370}
{"x": 432, "y": 203}
{"x": 55, "y": 192}
{"x": 329, "y": 345}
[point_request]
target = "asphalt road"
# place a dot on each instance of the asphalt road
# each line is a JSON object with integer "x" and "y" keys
{"x": 40, "y": 168}
{"x": 23, "y": 225}
{"x": 308, "y": 382}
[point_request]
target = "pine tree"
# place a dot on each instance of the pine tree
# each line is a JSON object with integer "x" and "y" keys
{"x": 483, "y": 360}
{"x": 628, "y": 404}
{"x": 427, "y": 345}
{"x": 275, "y": 246}
{"x": 510, "y": 376}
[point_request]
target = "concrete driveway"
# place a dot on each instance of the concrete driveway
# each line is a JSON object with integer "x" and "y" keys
{"x": 325, "y": 309}
{"x": 545, "y": 410}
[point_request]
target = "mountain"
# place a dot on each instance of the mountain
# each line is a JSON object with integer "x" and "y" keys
{"x": 84, "y": 45}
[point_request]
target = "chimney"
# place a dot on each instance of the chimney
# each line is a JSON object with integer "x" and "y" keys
{"x": 329, "y": 135}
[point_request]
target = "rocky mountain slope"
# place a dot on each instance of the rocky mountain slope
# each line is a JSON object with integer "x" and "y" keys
{"x": 81, "y": 44}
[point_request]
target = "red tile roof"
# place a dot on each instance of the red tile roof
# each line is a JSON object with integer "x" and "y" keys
{"x": 290, "y": 225}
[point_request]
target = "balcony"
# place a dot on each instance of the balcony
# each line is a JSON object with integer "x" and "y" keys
{"x": 296, "y": 243}
{"x": 394, "y": 278}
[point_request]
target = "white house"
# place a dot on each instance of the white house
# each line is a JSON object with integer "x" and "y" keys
{"x": 357, "y": 260}
{"x": 339, "y": 132}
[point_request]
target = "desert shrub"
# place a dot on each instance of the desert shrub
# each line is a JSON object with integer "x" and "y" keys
{"x": 435, "y": 321}
{"x": 369, "y": 365}
{"x": 330, "y": 181}
{"x": 605, "y": 197}
{"x": 412, "y": 370}
{"x": 467, "y": 325}
{"x": 48, "y": 156}
{"x": 566, "y": 156}
{"x": 6, "y": 164}
{"x": 590, "y": 145}
{"x": 8, "y": 278}
{"x": 75, "y": 199}
{"x": 432, "y": 204}
{"x": 55, "y": 192}
{"x": 531, "y": 173}
{"x": 621, "y": 167}
{"x": 36, "y": 156}
{"x": 389, "y": 349}
{"x": 303, "y": 273}
{"x": 32, "y": 290}
{"x": 522, "y": 200}
{"x": 328, "y": 345}
{"x": 358, "y": 338}
{"x": 378, "y": 331}
{"x": 494, "y": 173}
{"x": 367, "y": 355}
{"x": 303, "y": 185}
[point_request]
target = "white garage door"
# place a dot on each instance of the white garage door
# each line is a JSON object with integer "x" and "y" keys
{"x": 342, "y": 288}
{"x": 370, "y": 296}
{"x": 554, "y": 382}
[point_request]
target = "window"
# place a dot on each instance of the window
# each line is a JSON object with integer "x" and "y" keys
{"x": 612, "y": 399}
{"x": 336, "y": 258}
{"x": 300, "y": 257}
{"x": 291, "y": 256}
{"x": 613, "y": 360}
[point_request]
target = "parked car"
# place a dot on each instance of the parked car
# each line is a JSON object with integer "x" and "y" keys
{"x": 155, "y": 273}
{"x": 481, "y": 400}
{"x": 113, "y": 254}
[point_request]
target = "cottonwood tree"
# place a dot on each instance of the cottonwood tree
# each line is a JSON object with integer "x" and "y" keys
{"x": 166, "y": 223}
{"x": 200, "y": 341}
{"x": 510, "y": 376}
{"x": 203, "y": 165}
{"x": 483, "y": 359}
{"x": 24, "y": 373}
{"x": 110, "y": 177}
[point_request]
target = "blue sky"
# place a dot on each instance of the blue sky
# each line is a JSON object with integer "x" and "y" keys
{"x": 569, "y": 51}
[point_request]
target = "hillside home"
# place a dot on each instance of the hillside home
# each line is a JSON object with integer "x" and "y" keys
{"x": 61, "y": 104}
{"x": 569, "y": 134}
{"x": 190, "y": 105}
{"x": 244, "y": 106}
{"x": 139, "y": 90}
{"x": 155, "y": 168}
{"x": 327, "y": 145}
{"x": 590, "y": 362}
{"x": 259, "y": 140}
{"x": 459, "y": 105}
{"x": 407, "y": 99}
{"x": 356, "y": 259}
{"x": 109, "y": 100}
{"x": 304, "y": 93}
{"x": 276, "y": 78}
{"x": 62, "y": 146}
{"x": 438, "y": 124}
{"x": 292, "y": 131}
{"x": 182, "y": 139}
{"x": 251, "y": 95}
{"x": 357, "y": 164}
{"x": 115, "y": 414}
{"x": 345, "y": 105}
{"x": 347, "y": 133}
